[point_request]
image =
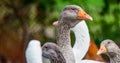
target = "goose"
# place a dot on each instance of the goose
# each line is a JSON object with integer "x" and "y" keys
{"x": 69, "y": 18}
{"x": 79, "y": 27}
{"x": 109, "y": 48}
{"x": 52, "y": 51}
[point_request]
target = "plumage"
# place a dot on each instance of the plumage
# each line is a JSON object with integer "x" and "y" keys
{"x": 110, "y": 48}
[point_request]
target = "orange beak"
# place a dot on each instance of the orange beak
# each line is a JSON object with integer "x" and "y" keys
{"x": 102, "y": 49}
{"x": 82, "y": 15}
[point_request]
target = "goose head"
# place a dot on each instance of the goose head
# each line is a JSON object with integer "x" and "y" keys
{"x": 107, "y": 46}
{"x": 52, "y": 52}
{"x": 49, "y": 50}
{"x": 73, "y": 14}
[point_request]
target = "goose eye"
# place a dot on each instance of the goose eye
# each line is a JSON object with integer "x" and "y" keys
{"x": 108, "y": 42}
{"x": 73, "y": 8}
{"x": 45, "y": 47}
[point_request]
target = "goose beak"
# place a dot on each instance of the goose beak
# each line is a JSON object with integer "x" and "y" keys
{"x": 82, "y": 15}
{"x": 55, "y": 23}
{"x": 102, "y": 49}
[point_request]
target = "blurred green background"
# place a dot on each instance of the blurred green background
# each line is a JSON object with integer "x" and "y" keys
{"x": 22, "y": 20}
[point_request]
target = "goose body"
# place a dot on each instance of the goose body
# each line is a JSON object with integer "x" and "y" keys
{"x": 109, "y": 48}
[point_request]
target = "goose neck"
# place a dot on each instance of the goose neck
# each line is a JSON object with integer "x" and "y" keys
{"x": 63, "y": 35}
{"x": 64, "y": 42}
{"x": 82, "y": 41}
{"x": 114, "y": 56}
